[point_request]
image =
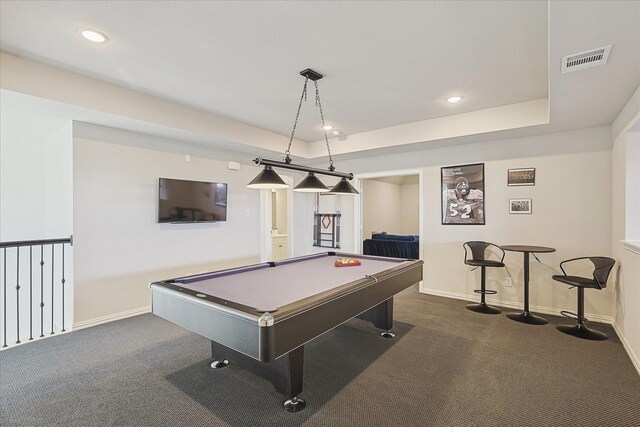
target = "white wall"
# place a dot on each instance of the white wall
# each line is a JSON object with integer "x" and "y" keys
{"x": 381, "y": 208}
{"x": 409, "y": 209}
{"x": 36, "y": 175}
{"x": 35, "y": 170}
{"x": 626, "y": 201}
{"x": 632, "y": 193}
{"x": 390, "y": 207}
{"x": 571, "y": 212}
{"x": 120, "y": 248}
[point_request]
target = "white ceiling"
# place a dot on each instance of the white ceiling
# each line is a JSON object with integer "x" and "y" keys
{"x": 385, "y": 63}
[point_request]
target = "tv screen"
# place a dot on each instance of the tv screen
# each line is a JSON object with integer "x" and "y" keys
{"x": 191, "y": 201}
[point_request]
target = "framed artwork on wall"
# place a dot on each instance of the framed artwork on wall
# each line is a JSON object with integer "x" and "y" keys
{"x": 519, "y": 206}
{"x": 522, "y": 176}
{"x": 463, "y": 194}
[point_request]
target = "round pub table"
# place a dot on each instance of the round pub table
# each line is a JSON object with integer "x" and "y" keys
{"x": 526, "y": 316}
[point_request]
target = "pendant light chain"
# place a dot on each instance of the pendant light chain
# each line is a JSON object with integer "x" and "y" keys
{"x": 269, "y": 179}
{"x": 326, "y": 140}
{"x": 295, "y": 123}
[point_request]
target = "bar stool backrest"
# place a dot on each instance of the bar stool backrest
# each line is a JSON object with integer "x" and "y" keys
{"x": 479, "y": 250}
{"x": 603, "y": 267}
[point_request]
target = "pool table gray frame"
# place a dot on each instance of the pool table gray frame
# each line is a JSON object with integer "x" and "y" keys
{"x": 236, "y": 328}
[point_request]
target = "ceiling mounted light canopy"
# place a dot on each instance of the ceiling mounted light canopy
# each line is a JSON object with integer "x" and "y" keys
{"x": 269, "y": 179}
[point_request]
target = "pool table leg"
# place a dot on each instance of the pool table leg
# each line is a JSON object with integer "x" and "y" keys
{"x": 381, "y": 316}
{"x": 285, "y": 373}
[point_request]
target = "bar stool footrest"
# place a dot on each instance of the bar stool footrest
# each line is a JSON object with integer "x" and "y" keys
{"x": 485, "y": 292}
{"x": 572, "y": 315}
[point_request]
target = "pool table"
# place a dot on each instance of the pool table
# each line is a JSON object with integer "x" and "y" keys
{"x": 260, "y": 316}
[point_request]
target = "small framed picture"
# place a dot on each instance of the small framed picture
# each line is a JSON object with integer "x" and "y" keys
{"x": 519, "y": 206}
{"x": 523, "y": 176}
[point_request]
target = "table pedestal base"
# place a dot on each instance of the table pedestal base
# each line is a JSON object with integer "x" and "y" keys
{"x": 528, "y": 318}
{"x": 583, "y": 332}
{"x": 483, "y": 308}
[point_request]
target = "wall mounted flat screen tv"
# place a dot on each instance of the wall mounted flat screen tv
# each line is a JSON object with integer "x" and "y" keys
{"x": 191, "y": 201}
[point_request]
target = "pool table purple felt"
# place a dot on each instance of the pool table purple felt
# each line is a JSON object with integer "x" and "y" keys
{"x": 262, "y": 315}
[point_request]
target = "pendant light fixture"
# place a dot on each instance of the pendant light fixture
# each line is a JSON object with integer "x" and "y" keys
{"x": 311, "y": 184}
{"x": 269, "y": 179}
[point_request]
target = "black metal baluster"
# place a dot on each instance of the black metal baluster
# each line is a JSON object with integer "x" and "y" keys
{"x": 18, "y": 295}
{"x": 4, "y": 268}
{"x": 41, "y": 291}
{"x": 30, "y": 292}
{"x": 53, "y": 247}
{"x": 63, "y": 287}
{"x": 4, "y": 299}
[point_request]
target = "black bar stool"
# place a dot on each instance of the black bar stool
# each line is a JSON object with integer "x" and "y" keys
{"x": 602, "y": 268}
{"x": 479, "y": 258}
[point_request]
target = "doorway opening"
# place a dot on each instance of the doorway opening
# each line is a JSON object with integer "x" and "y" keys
{"x": 392, "y": 203}
{"x": 276, "y": 225}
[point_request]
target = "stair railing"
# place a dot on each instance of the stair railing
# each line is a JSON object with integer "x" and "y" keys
{"x": 17, "y": 272}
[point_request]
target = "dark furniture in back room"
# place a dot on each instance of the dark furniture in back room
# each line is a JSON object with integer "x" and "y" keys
{"x": 392, "y": 245}
{"x": 602, "y": 268}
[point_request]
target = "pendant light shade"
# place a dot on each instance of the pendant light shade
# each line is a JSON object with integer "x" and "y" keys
{"x": 343, "y": 187}
{"x": 267, "y": 179}
{"x": 311, "y": 184}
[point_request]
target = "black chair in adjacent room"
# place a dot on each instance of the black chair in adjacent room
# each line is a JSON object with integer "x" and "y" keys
{"x": 480, "y": 251}
{"x": 602, "y": 268}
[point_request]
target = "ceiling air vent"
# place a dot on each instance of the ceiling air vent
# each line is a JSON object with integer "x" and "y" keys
{"x": 588, "y": 59}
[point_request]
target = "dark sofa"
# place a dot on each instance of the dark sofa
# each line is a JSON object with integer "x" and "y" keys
{"x": 392, "y": 245}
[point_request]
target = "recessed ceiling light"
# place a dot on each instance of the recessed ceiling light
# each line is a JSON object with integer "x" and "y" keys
{"x": 454, "y": 99}
{"x": 327, "y": 127}
{"x": 93, "y": 36}
{"x": 336, "y": 132}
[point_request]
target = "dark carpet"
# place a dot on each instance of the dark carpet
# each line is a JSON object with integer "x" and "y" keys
{"x": 447, "y": 366}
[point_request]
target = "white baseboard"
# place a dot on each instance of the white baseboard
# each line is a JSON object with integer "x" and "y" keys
{"x": 111, "y": 318}
{"x": 515, "y": 305}
{"x": 634, "y": 359}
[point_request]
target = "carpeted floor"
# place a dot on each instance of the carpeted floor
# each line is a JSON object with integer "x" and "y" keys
{"x": 447, "y": 366}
